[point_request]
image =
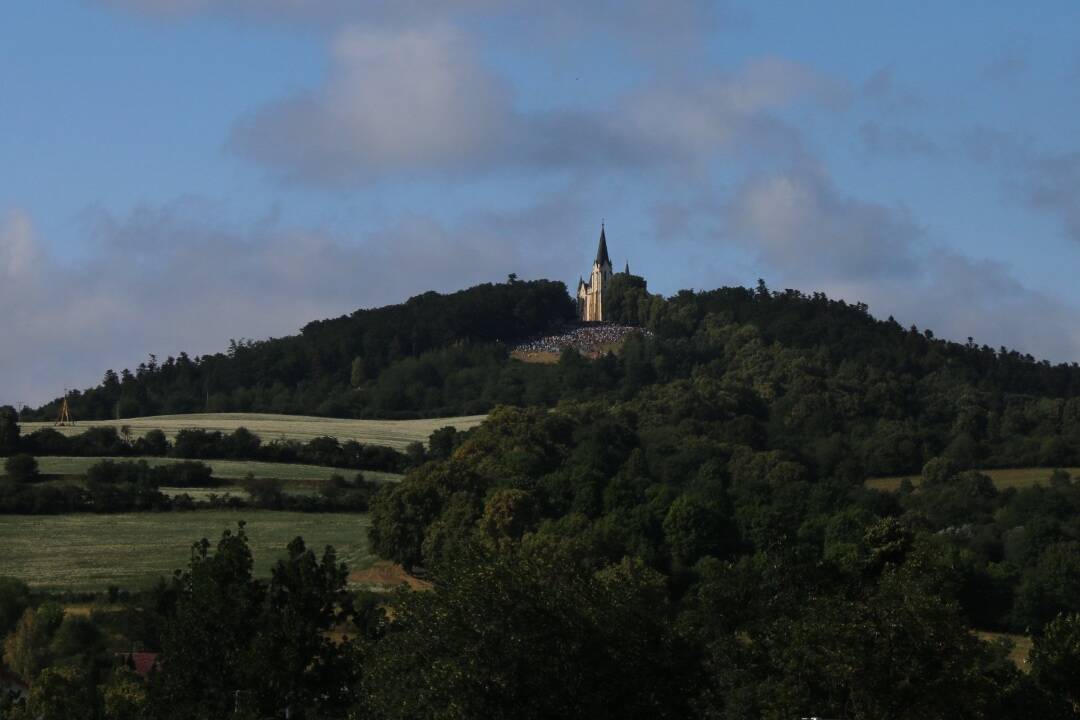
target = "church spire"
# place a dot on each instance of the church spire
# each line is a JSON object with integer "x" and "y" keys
{"x": 601, "y": 252}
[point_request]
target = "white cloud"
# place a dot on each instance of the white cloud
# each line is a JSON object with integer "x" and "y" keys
{"x": 395, "y": 99}
{"x": 808, "y": 234}
{"x": 798, "y": 221}
{"x": 1044, "y": 180}
{"x": 328, "y": 11}
{"x": 417, "y": 101}
{"x": 18, "y": 249}
{"x": 179, "y": 277}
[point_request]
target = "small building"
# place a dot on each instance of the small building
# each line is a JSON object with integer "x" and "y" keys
{"x": 141, "y": 662}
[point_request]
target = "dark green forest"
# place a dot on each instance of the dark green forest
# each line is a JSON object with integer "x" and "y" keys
{"x": 679, "y": 530}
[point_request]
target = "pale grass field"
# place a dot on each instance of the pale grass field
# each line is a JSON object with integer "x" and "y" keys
{"x": 392, "y": 433}
{"x": 1008, "y": 478}
{"x": 1021, "y": 646}
{"x": 310, "y": 475}
{"x": 85, "y": 552}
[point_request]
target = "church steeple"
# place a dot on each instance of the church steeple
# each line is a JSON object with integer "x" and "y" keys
{"x": 601, "y": 252}
{"x": 591, "y": 294}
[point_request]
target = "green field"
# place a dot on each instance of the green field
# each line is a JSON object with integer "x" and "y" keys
{"x": 392, "y": 433}
{"x": 1008, "y": 478}
{"x": 311, "y": 475}
{"x": 131, "y": 550}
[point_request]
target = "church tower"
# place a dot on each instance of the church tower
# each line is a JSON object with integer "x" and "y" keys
{"x": 591, "y": 294}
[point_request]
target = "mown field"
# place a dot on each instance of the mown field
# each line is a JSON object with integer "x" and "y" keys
{"x": 131, "y": 550}
{"x": 393, "y": 433}
{"x": 223, "y": 469}
{"x": 1009, "y": 478}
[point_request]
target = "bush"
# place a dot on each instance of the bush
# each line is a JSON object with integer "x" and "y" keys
{"x": 153, "y": 443}
{"x": 14, "y": 599}
{"x": 264, "y": 492}
{"x": 186, "y": 474}
{"x": 21, "y": 468}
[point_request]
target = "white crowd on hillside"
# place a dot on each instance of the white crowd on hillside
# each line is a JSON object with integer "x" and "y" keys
{"x": 583, "y": 338}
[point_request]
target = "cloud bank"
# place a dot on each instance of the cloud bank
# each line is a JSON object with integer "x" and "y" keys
{"x": 814, "y": 237}
{"x": 173, "y": 278}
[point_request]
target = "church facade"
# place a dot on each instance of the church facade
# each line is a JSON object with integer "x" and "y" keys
{"x": 590, "y": 295}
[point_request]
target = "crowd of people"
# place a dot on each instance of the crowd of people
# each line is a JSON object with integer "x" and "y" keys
{"x": 587, "y": 339}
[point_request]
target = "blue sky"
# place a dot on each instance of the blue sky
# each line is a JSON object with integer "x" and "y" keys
{"x": 181, "y": 172}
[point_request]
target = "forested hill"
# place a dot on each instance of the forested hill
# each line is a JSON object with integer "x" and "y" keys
{"x": 315, "y": 372}
{"x": 818, "y": 377}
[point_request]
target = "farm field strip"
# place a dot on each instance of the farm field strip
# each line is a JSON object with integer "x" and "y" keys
{"x": 85, "y": 552}
{"x": 391, "y": 433}
{"x": 223, "y": 469}
{"x": 1007, "y": 478}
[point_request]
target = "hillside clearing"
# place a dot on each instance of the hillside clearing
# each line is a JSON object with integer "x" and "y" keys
{"x": 391, "y": 433}
{"x": 88, "y": 553}
{"x": 311, "y": 475}
{"x": 1007, "y": 478}
{"x": 1021, "y": 646}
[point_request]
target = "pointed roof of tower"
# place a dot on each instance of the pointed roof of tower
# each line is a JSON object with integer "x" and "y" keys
{"x": 627, "y": 267}
{"x": 601, "y": 251}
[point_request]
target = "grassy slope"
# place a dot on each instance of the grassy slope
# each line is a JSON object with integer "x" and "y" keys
{"x": 1021, "y": 646}
{"x": 1011, "y": 477}
{"x": 393, "y": 433}
{"x": 223, "y": 469}
{"x": 91, "y": 552}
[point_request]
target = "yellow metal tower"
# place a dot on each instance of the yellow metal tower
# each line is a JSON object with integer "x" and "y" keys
{"x": 65, "y": 413}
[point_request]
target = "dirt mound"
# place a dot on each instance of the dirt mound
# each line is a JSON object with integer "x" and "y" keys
{"x": 385, "y": 575}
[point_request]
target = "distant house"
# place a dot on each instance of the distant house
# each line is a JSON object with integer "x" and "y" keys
{"x": 141, "y": 662}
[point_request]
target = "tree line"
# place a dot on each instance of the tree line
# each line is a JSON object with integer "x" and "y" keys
{"x": 113, "y": 486}
{"x": 199, "y": 444}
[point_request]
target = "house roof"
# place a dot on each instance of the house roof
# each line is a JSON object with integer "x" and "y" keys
{"x": 141, "y": 662}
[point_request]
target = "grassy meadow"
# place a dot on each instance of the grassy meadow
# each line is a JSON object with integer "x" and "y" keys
{"x": 85, "y": 552}
{"x": 1007, "y": 478}
{"x": 392, "y": 433}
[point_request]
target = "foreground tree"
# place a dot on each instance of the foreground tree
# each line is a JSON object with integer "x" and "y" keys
{"x": 518, "y": 636}
{"x": 21, "y": 468}
{"x": 61, "y": 693}
{"x": 14, "y": 599}
{"x": 235, "y": 644}
{"x": 9, "y": 430}
{"x": 782, "y": 642}
{"x": 302, "y": 668}
{"x": 208, "y": 632}
{"x": 27, "y": 648}
{"x": 1055, "y": 659}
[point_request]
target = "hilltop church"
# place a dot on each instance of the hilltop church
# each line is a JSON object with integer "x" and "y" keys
{"x": 590, "y": 295}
